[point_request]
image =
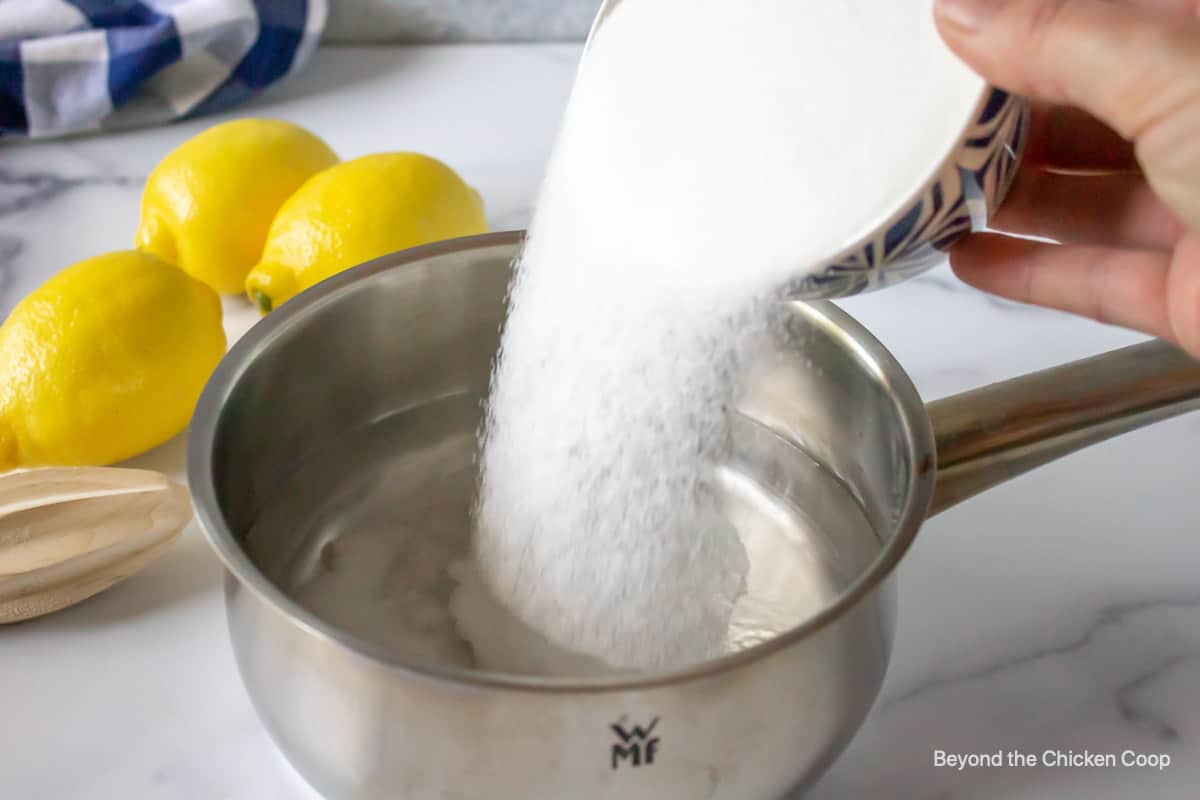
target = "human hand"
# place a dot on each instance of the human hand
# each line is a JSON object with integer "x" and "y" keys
{"x": 1112, "y": 170}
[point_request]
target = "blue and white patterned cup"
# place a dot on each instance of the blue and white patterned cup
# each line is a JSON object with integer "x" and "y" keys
{"x": 971, "y": 184}
{"x": 961, "y": 197}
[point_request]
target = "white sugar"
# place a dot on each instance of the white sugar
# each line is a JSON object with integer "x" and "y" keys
{"x": 710, "y": 152}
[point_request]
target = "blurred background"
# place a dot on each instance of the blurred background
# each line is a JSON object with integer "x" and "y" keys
{"x": 77, "y": 66}
{"x": 381, "y": 21}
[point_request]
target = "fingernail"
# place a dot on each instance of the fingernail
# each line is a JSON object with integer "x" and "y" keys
{"x": 969, "y": 15}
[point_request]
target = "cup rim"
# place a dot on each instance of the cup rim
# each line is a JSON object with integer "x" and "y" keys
{"x": 240, "y": 359}
{"x": 889, "y": 217}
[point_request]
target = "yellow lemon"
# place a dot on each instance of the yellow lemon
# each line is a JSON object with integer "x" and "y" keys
{"x": 357, "y": 211}
{"x": 208, "y": 205}
{"x": 105, "y": 361}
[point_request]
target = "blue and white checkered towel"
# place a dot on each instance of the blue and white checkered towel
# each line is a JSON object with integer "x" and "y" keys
{"x": 68, "y": 66}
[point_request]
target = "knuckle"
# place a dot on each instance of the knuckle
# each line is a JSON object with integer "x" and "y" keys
{"x": 1169, "y": 153}
{"x": 1037, "y": 29}
{"x": 1159, "y": 83}
{"x": 1043, "y": 19}
{"x": 1127, "y": 66}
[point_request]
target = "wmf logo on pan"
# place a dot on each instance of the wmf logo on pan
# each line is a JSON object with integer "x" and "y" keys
{"x": 636, "y": 746}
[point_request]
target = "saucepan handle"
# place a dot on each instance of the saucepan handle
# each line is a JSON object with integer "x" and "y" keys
{"x": 989, "y": 435}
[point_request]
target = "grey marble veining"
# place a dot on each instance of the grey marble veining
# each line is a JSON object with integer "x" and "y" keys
{"x": 358, "y": 21}
{"x": 31, "y": 189}
{"x": 1104, "y": 619}
{"x": 10, "y": 248}
{"x": 25, "y": 191}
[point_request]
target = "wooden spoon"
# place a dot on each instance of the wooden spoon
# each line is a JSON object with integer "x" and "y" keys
{"x": 69, "y": 533}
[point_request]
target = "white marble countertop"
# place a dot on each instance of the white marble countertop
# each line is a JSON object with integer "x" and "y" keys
{"x": 1057, "y": 612}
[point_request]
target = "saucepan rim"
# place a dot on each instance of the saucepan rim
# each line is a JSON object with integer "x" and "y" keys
{"x": 204, "y": 429}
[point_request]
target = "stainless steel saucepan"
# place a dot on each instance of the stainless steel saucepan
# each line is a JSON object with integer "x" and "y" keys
{"x": 335, "y": 443}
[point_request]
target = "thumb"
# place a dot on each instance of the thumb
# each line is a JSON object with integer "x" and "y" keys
{"x": 1136, "y": 69}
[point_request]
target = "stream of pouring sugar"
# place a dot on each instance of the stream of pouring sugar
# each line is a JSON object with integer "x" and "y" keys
{"x": 708, "y": 149}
